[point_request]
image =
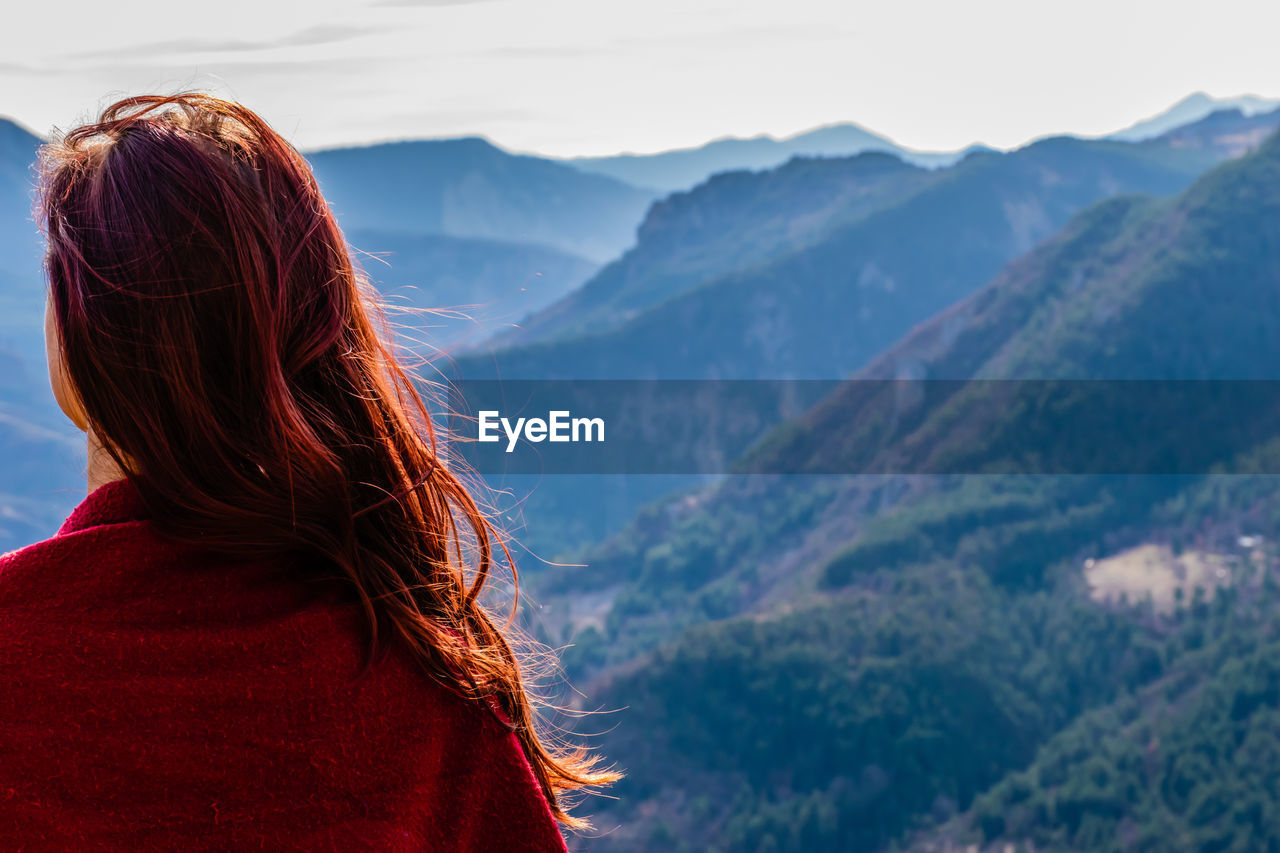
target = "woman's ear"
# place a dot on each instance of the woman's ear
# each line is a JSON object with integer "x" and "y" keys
{"x": 63, "y": 391}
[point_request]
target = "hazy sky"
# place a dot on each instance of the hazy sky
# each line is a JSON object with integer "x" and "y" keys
{"x": 571, "y": 77}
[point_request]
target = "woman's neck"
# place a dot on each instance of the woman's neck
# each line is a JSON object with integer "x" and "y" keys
{"x": 102, "y": 468}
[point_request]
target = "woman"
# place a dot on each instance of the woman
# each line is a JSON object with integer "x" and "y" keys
{"x": 263, "y": 627}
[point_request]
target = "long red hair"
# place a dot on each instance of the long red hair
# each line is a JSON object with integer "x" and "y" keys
{"x": 231, "y": 358}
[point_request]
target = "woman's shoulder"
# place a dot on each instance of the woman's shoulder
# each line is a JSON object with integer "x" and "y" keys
{"x": 209, "y": 680}
{"x": 110, "y": 518}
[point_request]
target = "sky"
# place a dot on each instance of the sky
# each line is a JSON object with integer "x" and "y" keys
{"x": 596, "y": 77}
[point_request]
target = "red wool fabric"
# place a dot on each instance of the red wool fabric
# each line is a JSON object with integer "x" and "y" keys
{"x": 157, "y": 697}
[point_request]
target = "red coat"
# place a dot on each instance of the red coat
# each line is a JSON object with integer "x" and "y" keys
{"x": 156, "y": 697}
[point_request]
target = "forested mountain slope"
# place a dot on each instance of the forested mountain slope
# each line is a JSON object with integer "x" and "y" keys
{"x": 902, "y": 643}
{"x": 735, "y": 219}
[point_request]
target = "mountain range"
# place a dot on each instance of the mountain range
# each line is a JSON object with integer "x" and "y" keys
{"x": 468, "y": 187}
{"x": 1191, "y": 109}
{"x": 808, "y": 271}
{"x": 685, "y": 168}
{"x": 812, "y": 268}
{"x": 926, "y": 662}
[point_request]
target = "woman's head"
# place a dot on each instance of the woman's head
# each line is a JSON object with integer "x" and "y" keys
{"x": 200, "y": 290}
{"x": 207, "y": 324}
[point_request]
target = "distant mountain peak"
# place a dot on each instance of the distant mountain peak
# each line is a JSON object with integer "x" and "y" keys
{"x": 471, "y": 142}
{"x": 15, "y": 140}
{"x": 9, "y": 125}
{"x": 1192, "y": 108}
{"x": 684, "y": 168}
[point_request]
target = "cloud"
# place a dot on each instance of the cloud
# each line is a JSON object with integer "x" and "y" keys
{"x": 421, "y": 3}
{"x": 317, "y": 35}
{"x": 326, "y": 34}
{"x": 518, "y": 51}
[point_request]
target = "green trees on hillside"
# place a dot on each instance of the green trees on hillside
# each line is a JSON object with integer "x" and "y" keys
{"x": 843, "y": 726}
{"x": 917, "y": 660}
{"x": 1191, "y": 763}
{"x": 943, "y": 706}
